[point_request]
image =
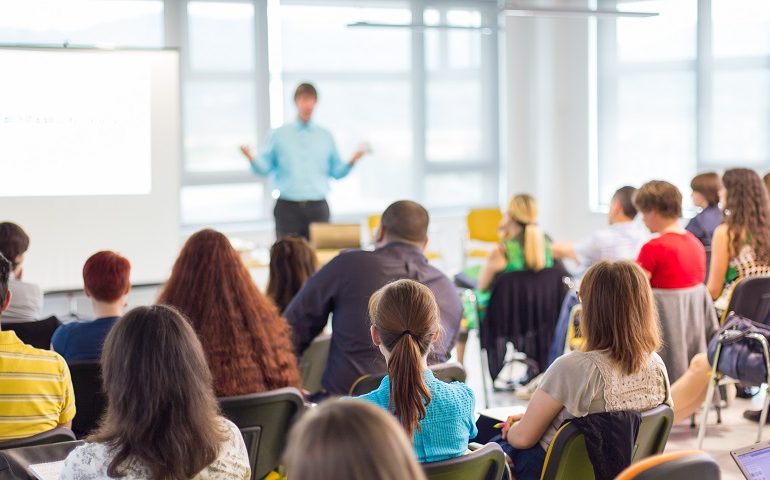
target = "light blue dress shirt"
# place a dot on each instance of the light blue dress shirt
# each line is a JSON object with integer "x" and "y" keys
{"x": 450, "y": 419}
{"x": 300, "y": 157}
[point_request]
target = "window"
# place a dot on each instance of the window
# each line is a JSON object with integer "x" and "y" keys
{"x": 120, "y": 23}
{"x": 681, "y": 93}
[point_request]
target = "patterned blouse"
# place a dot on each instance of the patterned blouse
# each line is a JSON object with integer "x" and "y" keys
{"x": 741, "y": 266}
{"x": 90, "y": 462}
{"x": 591, "y": 382}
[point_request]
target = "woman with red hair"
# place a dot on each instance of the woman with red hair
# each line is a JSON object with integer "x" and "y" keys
{"x": 247, "y": 343}
{"x": 106, "y": 282}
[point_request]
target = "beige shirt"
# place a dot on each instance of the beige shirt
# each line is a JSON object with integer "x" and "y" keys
{"x": 591, "y": 382}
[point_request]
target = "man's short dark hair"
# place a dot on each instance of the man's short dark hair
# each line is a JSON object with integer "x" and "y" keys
{"x": 13, "y": 241}
{"x": 659, "y": 196}
{"x": 305, "y": 89}
{"x": 625, "y": 196}
{"x": 406, "y": 220}
{"x": 5, "y": 275}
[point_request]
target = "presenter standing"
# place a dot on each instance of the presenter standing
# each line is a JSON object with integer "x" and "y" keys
{"x": 301, "y": 156}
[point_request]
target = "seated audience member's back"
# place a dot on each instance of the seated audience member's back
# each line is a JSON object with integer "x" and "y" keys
{"x": 343, "y": 287}
{"x": 350, "y": 440}
{"x": 27, "y": 303}
{"x": 675, "y": 259}
{"x": 617, "y": 370}
{"x": 620, "y": 240}
{"x": 247, "y": 343}
{"x": 106, "y": 281}
{"x": 292, "y": 262}
{"x": 35, "y": 387}
{"x": 438, "y": 416}
{"x": 162, "y": 420}
{"x": 705, "y": 195}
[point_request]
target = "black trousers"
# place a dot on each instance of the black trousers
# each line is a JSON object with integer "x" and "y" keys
{"x": 294, "y": 218}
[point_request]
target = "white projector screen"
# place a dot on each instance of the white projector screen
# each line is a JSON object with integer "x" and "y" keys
{"x": 89, "y": 154}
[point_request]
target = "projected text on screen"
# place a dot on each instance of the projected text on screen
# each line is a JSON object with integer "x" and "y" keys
{"x": 74, "y": 123}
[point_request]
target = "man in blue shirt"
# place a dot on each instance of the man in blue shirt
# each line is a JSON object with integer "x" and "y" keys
{"x": 300, "y": 157}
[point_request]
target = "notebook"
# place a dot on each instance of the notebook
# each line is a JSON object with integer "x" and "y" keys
{"x": 754, "y": 461}
{"x": 46, "y": 471}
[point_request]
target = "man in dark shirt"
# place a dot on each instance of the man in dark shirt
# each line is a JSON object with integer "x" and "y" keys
{"x": 343, "y": 287}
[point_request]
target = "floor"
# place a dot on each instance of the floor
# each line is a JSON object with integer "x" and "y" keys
{"x": 734, "y": 432}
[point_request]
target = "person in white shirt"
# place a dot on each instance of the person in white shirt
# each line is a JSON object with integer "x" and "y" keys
{"x": 621, "y": 240}
{"x": 27, "y": 302}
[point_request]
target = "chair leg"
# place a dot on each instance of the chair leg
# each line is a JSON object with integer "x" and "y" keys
{"x": 763, "y": 415}
{"x": 709, "y": 397}
{"x": 692, "y": 421}
{"x": 484, "y": 372}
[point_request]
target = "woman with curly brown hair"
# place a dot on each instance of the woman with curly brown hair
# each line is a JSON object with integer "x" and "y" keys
{"x": 741, "y": 244}
{"x": 247, "y": 343}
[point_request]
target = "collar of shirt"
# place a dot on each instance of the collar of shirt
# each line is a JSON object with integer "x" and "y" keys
{"x": 8, "y": 337}
{"x": 407, "y": 247}
{"x": 300, "y": 125}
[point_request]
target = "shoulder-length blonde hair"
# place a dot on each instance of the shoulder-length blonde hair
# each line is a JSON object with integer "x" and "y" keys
{"x": 350, "y": 439}
{"x": 619, "y": 313}
{"x": 523, "y": 210}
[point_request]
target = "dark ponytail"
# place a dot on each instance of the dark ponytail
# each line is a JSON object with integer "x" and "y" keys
{"x": 406, "y": 317}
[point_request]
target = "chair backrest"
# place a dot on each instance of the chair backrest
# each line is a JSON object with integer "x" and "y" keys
{"x": 56, "y": 435}
{"x": 653, "y": 432}
{"x": 751, "y": 299}
{"x": 15, "y": 461}
{"x": 486, "y": 463}
{"x": 264, "y": 420}
{"x": 482, "y": 224}
{"x": 446, "y": 372}
{"x": 90, "y": 400}
{"x": 335, "y": 235}
{"x": 690, "y": 464}
{"x": 313, "y": 363}
{"x": 38, "y": 333}
{"x": 567, "y": 457}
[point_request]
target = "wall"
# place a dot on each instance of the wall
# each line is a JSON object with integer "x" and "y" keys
{"x": 547, "y": 112}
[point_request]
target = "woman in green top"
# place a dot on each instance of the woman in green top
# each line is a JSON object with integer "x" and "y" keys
{"x": 523, "y": 244}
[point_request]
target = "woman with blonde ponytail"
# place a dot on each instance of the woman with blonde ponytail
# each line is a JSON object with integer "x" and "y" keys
{"x": 438, "y": 416}
{"x": 523, "y": 244}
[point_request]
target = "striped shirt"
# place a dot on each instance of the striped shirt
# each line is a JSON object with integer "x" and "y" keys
{"x": 36, "y": 392}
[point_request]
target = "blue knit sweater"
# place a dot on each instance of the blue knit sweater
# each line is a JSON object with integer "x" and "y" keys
{"x": 449, "y": 421}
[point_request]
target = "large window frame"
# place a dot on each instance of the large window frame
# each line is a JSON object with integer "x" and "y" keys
{"x": 177, "y": 32}
{"x": 704, "y": 66}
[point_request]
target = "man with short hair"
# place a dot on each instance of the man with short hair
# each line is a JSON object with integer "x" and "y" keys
{"x": 621, "y": 240}
{"x": 27, "y": 303}
{"x": 343, "y": 287}
{"x": 36, "y": 392}
{"x": 300, "y": 156}
{"x": 106, "y": 281}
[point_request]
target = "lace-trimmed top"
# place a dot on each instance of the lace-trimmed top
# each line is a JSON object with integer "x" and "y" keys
{"x": 90, "y": 462}
{"x": 590, "y": 382}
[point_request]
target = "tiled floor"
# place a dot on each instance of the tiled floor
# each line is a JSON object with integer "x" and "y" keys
{"x": 734, "y": 432}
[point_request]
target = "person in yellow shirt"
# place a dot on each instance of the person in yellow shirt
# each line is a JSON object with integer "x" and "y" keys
{"x": 36, "y": 392}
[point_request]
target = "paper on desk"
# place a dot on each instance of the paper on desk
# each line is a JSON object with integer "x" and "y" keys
{"x": 46, "y": 471}
{"x": 502, "y": 413}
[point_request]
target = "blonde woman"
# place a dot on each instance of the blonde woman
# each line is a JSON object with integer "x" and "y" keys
{"x": 350, "y": 439}
{"x": 618, "y": 368}
{"x": 523, "y": 244}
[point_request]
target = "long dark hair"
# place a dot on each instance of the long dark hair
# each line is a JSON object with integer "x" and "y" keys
{"x": 747, "y": 212}
{"x": 292, "y": 262}
{"x": 406, "y": 317}
{"x": 161, "y": 409}
{"x": 247, "y": 343}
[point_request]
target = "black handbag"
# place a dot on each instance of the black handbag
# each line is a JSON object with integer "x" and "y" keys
{"x": 741, "y": 358}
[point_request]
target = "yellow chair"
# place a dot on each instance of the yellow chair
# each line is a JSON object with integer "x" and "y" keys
{"x": 373, "y": 222}
{"x": 482, "y": 226}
